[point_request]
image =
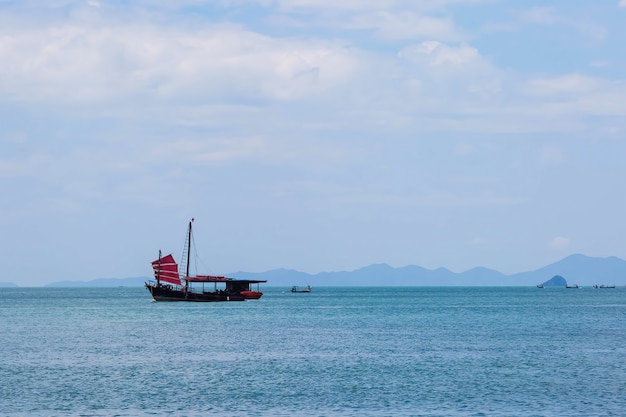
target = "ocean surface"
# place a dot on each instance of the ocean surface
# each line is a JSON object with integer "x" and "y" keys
{"x": 356, "y": 351}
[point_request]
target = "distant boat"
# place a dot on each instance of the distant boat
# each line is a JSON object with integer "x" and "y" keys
{"x": 170, "y": 286}
{"x": 604, "y": 286}
{"x": 540, "y": 286}
{"x": 572, "y": 286}
{"x": 296, "y": 289}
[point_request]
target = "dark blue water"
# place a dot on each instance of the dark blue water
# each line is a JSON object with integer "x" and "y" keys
{"x": 333, "y": 352}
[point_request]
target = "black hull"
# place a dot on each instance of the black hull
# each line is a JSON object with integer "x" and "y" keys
{"x": 167, "y": 293}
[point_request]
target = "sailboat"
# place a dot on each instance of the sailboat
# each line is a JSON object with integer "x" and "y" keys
{"x": 169, "y": 285}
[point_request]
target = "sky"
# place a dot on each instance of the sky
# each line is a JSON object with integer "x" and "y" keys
{"x": 312, "y": 135}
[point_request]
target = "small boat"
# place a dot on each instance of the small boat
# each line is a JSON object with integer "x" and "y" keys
{"x": 604, "y": 286}
{"x": 169, "y": 285}
{"x": 540, "y": 286}
{"x": 572, "y": 286}
{"x": 296, "y": 289}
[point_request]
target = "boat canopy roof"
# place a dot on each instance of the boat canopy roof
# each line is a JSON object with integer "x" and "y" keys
{"x": 214, "y": 278}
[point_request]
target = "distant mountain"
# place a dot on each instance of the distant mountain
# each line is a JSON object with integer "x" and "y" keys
{"x": 7, "y": 284}
{"x": 380, "y": 275}
{"x": 576, "y": 269}
{"x": 102, "y": 282}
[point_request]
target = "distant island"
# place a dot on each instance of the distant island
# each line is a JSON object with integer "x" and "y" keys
{"x": 579, "y": 269}
{"x": 555, "y": 281}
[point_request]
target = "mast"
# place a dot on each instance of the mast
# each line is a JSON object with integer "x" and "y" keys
{"x": 188, "y": 255}
{"x": 158, "y": 274}
{"x": 188, "y": 247}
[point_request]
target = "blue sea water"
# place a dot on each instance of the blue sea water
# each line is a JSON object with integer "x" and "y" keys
{"x": 334, "y": 352}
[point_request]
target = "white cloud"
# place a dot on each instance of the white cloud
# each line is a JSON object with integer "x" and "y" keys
{"x": 407, "y": 25}
{"x": 436, "y": 54}
{"x": 568, "y": 98}
{"x": 211, "y": 152}
{"x": 540, "y": 15}
{"x": 565, "y": 84}
{"x": 193, "y": 74}
{"x": 441, "y": 71}
{"x": 362, "y": 5}
{"x": 556, "y": 16}
{"x": 76, "y": 61}
{"x": 600, "y": 63}
{"x": 559, "y": 242}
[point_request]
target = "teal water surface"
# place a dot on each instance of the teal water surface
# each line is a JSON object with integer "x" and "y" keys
{"x": 333, "y": 352}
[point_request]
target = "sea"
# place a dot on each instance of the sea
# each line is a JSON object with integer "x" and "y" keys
{"x": 337, "y": 351}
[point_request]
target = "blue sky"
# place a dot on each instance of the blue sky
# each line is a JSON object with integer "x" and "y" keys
{"x": 309, "y": 134}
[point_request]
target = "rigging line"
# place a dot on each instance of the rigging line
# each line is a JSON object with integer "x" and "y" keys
{"x": 197, "y": 259}
{"x": 195, "y": 253}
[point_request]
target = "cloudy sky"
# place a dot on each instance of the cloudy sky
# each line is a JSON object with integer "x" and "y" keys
{"x": 316, "y": 135}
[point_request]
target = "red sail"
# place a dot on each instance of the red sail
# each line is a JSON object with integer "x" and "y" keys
{"x": 166, "y": 269}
